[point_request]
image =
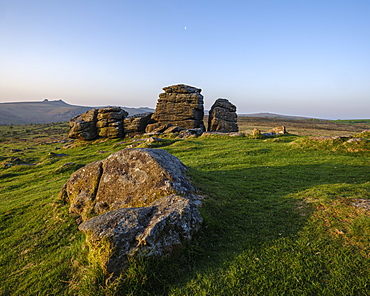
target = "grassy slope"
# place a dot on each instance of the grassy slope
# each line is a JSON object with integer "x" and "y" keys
{"x": 304, "y": 127}
{"x": 278, "y": 221}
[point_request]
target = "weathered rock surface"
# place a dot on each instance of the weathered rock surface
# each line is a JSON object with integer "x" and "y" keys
{"x": 223, "y": 117}
{"x": 127, "y": 178}
{"x": 193, "y": 132}
{"x": 180, "y": 105}
{"x": 281, "y": 130}
{"x": 110, "y": 122}
{"x": 136, "y": 124}
{"x": 156, "y": 230}
{"x": 103, "y": 122}
{"x": 83, "y": 126}
{"x": 157, "y": 127}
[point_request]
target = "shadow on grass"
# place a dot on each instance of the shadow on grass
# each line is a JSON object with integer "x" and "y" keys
{"x": 244, "y": 211}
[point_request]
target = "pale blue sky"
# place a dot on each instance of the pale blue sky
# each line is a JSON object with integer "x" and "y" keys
{"x": 300, "y": 57}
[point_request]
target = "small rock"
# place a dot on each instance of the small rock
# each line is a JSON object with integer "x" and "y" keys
{"x": 15, "y": 150}
{"x": 153, "y": 139}
{"x": 57, "y": 155}
{"x": 355, "y": 140}
{"x": 279, "y": 130}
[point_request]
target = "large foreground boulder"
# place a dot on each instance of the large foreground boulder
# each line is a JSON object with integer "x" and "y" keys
{"x": 180, "y": 105}
{"x": 223, "y": 117}
{"x": 157, "y": 230}
{"x": 127, "y": 178}
{"x": 140, "y": 203}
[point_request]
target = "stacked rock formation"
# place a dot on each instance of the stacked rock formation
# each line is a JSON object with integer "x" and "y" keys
{"x": 135, "y": 202}
{"x": 180, "y": 105}
{"x": 223, "y": 117}
{"x": 103, "y": 122}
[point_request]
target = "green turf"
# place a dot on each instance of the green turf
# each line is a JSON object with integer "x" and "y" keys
{"x": 278, "y": 220}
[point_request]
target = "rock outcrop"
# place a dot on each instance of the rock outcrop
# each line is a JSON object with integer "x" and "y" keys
{"x": 223, "y": 117}
{"x": 110, "y": 122}
{"x": 127, "y": 178}
{"x": 180, "y": 105}
{"x": 139, "y": 201}
{"x": 83, "y": 126}
{"x": 103, "y": 122}
{"x": 137, "y": 123}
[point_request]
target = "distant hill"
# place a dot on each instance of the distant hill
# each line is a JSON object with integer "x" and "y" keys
{"x": 47, "y": 111}
{"x": 275, "y": 116}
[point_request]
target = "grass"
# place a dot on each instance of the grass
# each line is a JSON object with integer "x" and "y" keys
{"x": 360, "y": 122}
{"x": 278, "y": 216}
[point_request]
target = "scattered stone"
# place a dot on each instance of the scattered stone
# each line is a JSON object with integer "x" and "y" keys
{"x": 57, "y": 155}
{"x": 180, "y": 105}
{"x": 269, "y": 134}
{"x": 194, "y": 132}
{"x": 355, "y": 140}
{"x": 153, "y": 139}
{"x": 127, "y": 178}
{"x": 256, "y": 132}
{"x": 156, "y": 230}
{"x": 134, "y": 145}
{"x": 15, "y": 150}
{"x": 362, "y": 203}
{"x": 223, "y": 117}
{"x": 281, "y": 130}
{"x": 15, "y": 161}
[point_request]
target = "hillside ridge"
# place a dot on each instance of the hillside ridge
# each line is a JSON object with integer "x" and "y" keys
{"x": 48, "y": 111}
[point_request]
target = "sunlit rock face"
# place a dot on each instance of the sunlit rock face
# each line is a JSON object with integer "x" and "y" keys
{"x": 223, "y": 117}
{"x": 127, "y": 178}
{"x": 180, "y": 105}
{"x": 104, "y": 122}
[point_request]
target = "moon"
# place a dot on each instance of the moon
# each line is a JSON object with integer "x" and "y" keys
{"x": 185, "y": 28}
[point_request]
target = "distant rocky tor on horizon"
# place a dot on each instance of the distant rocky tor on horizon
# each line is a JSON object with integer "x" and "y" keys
{"x": 48, "y": 111}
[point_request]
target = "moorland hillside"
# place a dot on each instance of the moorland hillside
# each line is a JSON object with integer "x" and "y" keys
{"x": 47, "y": 112}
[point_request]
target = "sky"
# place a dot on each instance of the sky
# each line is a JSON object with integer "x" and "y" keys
{"x": 298, "y": 57}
